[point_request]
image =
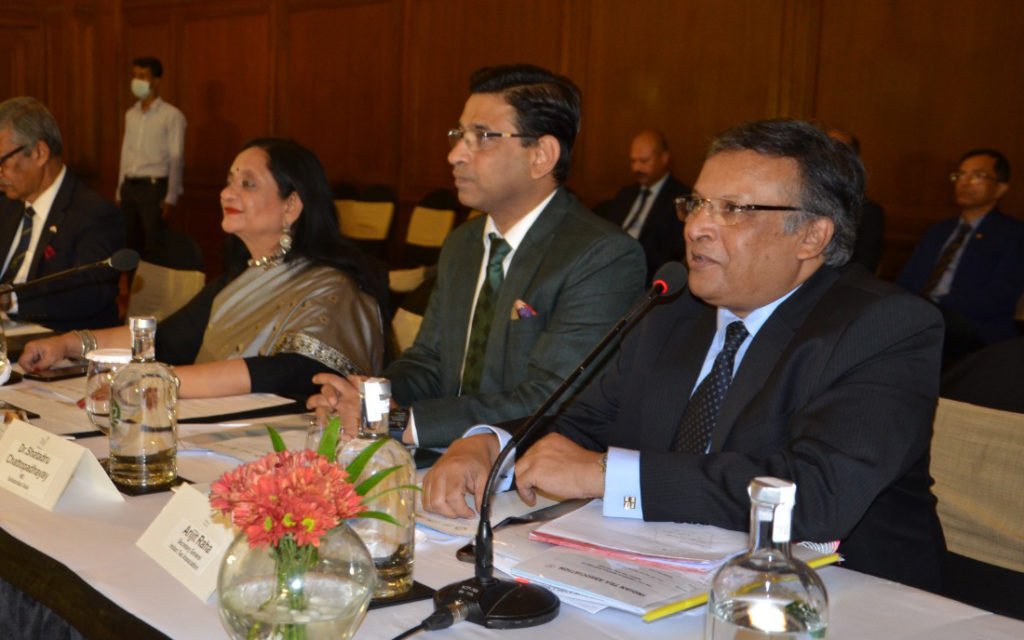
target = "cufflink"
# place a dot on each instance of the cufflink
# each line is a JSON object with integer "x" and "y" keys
{"x": 629, "y": 502}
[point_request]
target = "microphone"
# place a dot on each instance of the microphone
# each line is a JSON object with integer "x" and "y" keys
{"x": 504, "y": 604}
{"x": 122, "y": 260}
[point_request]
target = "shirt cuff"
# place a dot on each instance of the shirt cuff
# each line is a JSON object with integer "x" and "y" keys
{"x": 507, "y": 471}
{"x": 622, "y": 485}
{"x": 412, "y": 428}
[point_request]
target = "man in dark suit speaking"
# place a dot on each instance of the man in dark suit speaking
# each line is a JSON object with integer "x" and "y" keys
{"x": 776, "y": 362}
{"x": 49, "y": 222}
{"x": 523, "y": 292}
{"x": 647, "y": 210}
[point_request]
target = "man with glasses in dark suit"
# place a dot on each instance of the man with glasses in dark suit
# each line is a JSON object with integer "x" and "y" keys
{"x": 775, "y": 362}
{"x": 49, "y": 222}
{"x": 972, "y": 266}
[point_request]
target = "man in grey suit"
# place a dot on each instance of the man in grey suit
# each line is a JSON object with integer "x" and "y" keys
{"x": 778, "y": 361}
{"x": 522, "y": 293}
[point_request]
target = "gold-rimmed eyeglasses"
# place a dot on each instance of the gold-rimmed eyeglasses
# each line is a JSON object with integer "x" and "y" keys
{"x": 723, "y": 212}
{"x": 476, "y": 139}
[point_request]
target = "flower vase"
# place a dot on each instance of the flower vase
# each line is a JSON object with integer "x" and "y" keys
{"x": 293, "y": 591}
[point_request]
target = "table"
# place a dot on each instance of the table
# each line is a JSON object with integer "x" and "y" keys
{"x": 97, "y": 544}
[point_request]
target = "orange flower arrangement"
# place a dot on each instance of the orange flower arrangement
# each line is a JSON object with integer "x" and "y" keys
{"x": 297, "y": 493}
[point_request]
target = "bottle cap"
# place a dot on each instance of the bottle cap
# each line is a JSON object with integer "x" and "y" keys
{"x": 142, "y": 322}
{"x": 768, "y": 490}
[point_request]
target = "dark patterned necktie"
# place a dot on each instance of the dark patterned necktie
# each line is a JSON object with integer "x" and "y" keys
{"x": 947, "y": 257}
{"x": 483, "y": 315}
{"x": 20, "y": 247}
{"x": 635, "y": 213}
{"x": 701, "y": 413}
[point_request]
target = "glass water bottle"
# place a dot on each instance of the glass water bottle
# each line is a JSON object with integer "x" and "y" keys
{"x": 143, "y": 417}
{"x": 766, "y": 592}
{"x": 390, "y": 546}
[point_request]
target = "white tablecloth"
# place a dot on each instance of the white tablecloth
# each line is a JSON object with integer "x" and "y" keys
{"x": 98, "y": 544}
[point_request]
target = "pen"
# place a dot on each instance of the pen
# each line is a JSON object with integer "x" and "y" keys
{"x": 702, "y": 598}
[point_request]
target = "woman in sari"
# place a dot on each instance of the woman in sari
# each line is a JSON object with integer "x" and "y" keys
{"x": 296, "y": 298}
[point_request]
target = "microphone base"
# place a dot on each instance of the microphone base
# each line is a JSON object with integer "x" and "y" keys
{"x": 501, "y": 604}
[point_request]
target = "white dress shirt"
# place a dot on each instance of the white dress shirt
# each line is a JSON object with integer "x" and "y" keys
{"x": 154, "y": 146}
{"x": 41, "y": 207}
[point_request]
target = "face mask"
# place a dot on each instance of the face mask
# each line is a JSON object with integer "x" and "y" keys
{"x": 140, "y": 88}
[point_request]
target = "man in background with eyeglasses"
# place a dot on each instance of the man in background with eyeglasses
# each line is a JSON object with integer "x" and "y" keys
{"x": 775, "y": 362}
{"x": 49, "y": 222}
{"x": 972, "y": 266}
{"x": 522, "y": 293}
{"x": 646, "y": 209}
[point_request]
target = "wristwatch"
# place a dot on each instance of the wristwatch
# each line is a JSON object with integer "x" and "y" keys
{"x": 398, "y": 420}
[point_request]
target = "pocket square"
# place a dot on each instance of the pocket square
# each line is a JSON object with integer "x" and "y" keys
{"x": 522, "y": 310}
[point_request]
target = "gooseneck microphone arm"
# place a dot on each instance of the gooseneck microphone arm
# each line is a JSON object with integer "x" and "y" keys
{"x": 123, "y": 260}
{"x": 668, "y": 278}
{"x": 496, "y": 603}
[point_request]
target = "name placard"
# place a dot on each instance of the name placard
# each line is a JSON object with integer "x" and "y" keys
{"x": 187, "y": 542}
{"x": 42, "y": 467}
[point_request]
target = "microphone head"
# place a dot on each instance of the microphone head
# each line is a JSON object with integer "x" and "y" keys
{"x": 669, "y": 278}
{"x": 126, "y": 260}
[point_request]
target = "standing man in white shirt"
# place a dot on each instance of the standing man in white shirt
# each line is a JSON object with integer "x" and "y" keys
{"x": 152, "y": 157}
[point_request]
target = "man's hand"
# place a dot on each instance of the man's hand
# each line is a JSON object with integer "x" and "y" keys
{"x": 338, "y": 397}
{"x": 462, "y": 469}
{"x": 165, "y": 210}
{"x": 560, "y": 467}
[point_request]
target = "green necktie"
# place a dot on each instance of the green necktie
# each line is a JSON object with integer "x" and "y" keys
{"x": 483, "y": 315}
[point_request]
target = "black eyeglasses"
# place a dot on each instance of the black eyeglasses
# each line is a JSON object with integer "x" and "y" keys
{"x": 7, "y": 156}
{"x": 723, "y": 212}
{"x": 475, "y": 140}
{"x": 973, "y": 176}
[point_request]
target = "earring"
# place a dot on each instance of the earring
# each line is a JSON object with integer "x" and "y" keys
{"x": 286, "y": 238}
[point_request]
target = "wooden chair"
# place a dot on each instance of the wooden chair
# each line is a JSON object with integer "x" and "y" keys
{"x": 366, "y": 223}
{"x": 160, "y": 291}
{"x": 427, "y": 230}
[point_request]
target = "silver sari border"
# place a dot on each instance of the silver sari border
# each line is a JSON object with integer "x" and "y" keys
{"x": 310, "y": 347}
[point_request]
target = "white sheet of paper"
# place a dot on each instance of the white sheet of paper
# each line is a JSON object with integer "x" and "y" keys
{"x": 187, "y": 542}
{"x": 673, "y": 540}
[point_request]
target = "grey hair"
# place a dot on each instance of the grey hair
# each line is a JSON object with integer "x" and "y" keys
{"x": 30, "y": 122}
{"x": 831, "y": 175}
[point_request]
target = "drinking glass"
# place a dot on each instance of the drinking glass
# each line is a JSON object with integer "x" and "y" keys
{"x": 103, "y": 364}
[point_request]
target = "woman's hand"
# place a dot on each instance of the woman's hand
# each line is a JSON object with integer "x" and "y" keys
{"x": 44, "y": 353}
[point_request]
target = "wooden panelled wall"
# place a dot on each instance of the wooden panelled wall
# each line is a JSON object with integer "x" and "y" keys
{"x": 372, "y": 85}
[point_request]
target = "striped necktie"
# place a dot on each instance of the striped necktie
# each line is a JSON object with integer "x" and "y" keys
{"x": 473, "y": 367}
{"x": 20, "y": 247}
{"x": 946, "y": 258}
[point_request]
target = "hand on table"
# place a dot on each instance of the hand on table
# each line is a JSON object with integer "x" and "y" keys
{"x": 559, "y": 467}
{"x": 462, "y": 469}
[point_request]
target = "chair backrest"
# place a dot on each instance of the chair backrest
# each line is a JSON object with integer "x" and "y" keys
{"x": 977, "y": 462}
{"x": 160, "y": 291}
{"x": 406, "y": 325}
{"x": 364, "y": 220}
{"x": 429, "y": 227}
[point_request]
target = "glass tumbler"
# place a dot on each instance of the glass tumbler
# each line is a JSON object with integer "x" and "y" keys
{"x": 103, "y": 364}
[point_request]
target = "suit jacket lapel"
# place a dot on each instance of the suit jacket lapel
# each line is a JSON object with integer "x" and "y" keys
{"x": 466, "y": 259}
{"x": 10, "y": 216}
{"x": 764, "y": 352}
{"x": 526, "y": 262}
{"x": 54, "y": 221}
{"x": 673, "y": 375}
